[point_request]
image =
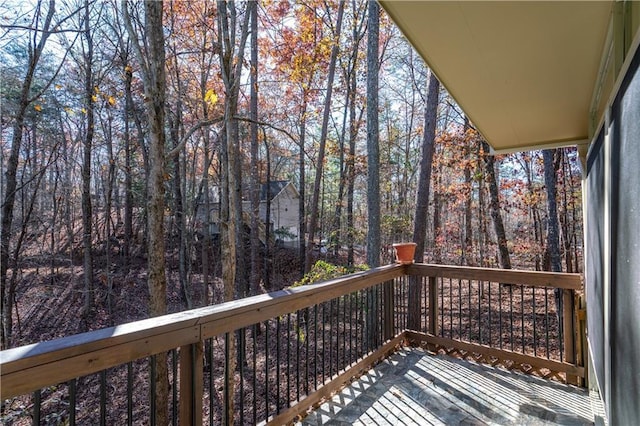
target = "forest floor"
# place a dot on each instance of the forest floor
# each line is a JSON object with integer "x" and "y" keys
{"x": 50, "y": 292}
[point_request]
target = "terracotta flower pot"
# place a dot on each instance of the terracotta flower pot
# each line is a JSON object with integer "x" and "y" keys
{"x": 404, "y": 252}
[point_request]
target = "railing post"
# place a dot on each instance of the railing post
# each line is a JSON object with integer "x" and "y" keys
{"x": 389, "y": 310}
{"x": 433, "y": 306}
{"x": 568, "y": 325}
{"x": 581, "y": 336}
{"x": 191, "y": 384}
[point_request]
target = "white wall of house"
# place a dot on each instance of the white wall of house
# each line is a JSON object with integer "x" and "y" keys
{"x": 284, "y": 212}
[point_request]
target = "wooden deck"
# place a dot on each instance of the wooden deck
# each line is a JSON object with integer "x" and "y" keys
{"x": 413, "y": 387}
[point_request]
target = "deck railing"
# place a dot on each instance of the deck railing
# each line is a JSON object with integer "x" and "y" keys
{"x": 292, "y": 347}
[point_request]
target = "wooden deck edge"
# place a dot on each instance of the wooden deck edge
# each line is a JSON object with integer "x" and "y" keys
{"x": 60, "y": 371}
{"x": 212, "y": 320}
{"x": 336, "y": 383}
{"x": 562, "y": 367}
{"x": 507, "y": 276}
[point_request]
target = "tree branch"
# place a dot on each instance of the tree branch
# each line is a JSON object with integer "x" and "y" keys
{"x": 204, "y": 123}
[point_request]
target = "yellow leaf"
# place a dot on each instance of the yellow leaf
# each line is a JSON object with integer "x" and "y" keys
{"x": 128, "y": 68}
{"x": 94, "y": 98}
{"x": 96, "y": 89}
{"x": 58, "y": 86}
{"x": 211, "y": 97}
{"x": 111, "y": 100}
{"x": 37, "y": 107}
{"x": 84, "y": 111}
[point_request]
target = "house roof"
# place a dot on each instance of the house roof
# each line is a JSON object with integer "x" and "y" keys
{"x": 525, "y": 72}
{"x": 274, "y": 188}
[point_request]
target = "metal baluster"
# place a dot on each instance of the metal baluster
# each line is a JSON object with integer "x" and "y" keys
{"x": 306, "y": 350}
{"x": 500, "y": 315}
{"x": 278, "y": 365}
{"x": 460, "y": 309}
{"x": 129, "y": 394}
{"x": 338, "y": 364}
{"x": 511, "y": 314}
{"x": 315, "y": 347}
{"x": 298, "y": 356}
{"x": 103, "y": 397}
{"x": 72, "y": 402}
{"x": 490, "y": 324}
{"x": 153, "y": 390}
{"x": 450, "y": 309}
{"x": 289, "y": 360}
{"x": 344, "y": 331}
{"x": 255, "y": 370}
{"x": 480, "y": 292}
{"x": 324, "y": 348}
{"x": 331, "y": 333}
{"x": 266, "y": 369}
{"x": 535, "y": 334}
{"x": 469, "y": 308}
{"x": 522, "y": 316}
{"x": 442, "y": 306}
{"x": 546, "y": 320}
{"x": 351, "y": 324}
{"x": 425, "y": 287}
{"x": 242, "y": 350}
{"x": 227, "y": 375}
{"x": 174, "y": 387}
{"x": 361, "y": 328}
{"x": 212, "y": 388}
{"x": 37, "y": 403}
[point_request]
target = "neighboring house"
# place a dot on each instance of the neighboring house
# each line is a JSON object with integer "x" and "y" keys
{"x": 284, "y": 217}
{"x": 285, "y": 211}
{"x": 536, "y": 75}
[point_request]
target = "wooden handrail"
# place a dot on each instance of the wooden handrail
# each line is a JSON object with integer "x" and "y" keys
{"x": 35, "y": 366}
{"x": 505, "y": 276}
{"x": 27, "y": 368}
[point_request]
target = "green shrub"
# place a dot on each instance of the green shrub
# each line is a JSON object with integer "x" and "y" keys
{"x": 322, "y": 271}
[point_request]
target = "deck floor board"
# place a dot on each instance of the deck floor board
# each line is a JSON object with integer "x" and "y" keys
{"x": 413, "y": 387}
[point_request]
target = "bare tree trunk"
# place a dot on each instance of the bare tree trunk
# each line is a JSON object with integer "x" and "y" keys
{"x": 302, "y": 229}
{"x": 111, "y": 178}
{"x": 128, "y": 179}
{"x": 468, "y": 231}
{"x": 335, "y": 233}
{"x": 437, "y": 216}
{"x": 494, "y": 205}
{"x": 553, "y": 239}
{"x": 482, "y": 233}
{"x": 154, "y": 79}
{"x": 315, "y": 200}
{"x": 422, "y": 198}
{"x": 373, "y": 169}
{"x": 231, "y": 68}
{"x": 254, "y": 278}
{"x": 12, "y": 167}
{"x": 87, "y": 264}
{"x": 373, "y": 147}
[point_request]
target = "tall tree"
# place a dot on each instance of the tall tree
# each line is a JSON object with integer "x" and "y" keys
{"x": 494, "y": 206}
{"x": 313, "y": 214}
{"x": 152, "y": 65}
{"x": 422, "y": 198}
{"x": 253, "y": 131}
{"x": 231, "y": 63}
{"x": 35, "y": 48}
{"x": 89, "y": 96}
{"x": 373, "y": 167}
{"x": 553, "y": 237}
{"x": 373, "y": 138}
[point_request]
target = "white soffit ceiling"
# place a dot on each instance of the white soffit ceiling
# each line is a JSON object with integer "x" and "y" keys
{"x": 523, "y": 71}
